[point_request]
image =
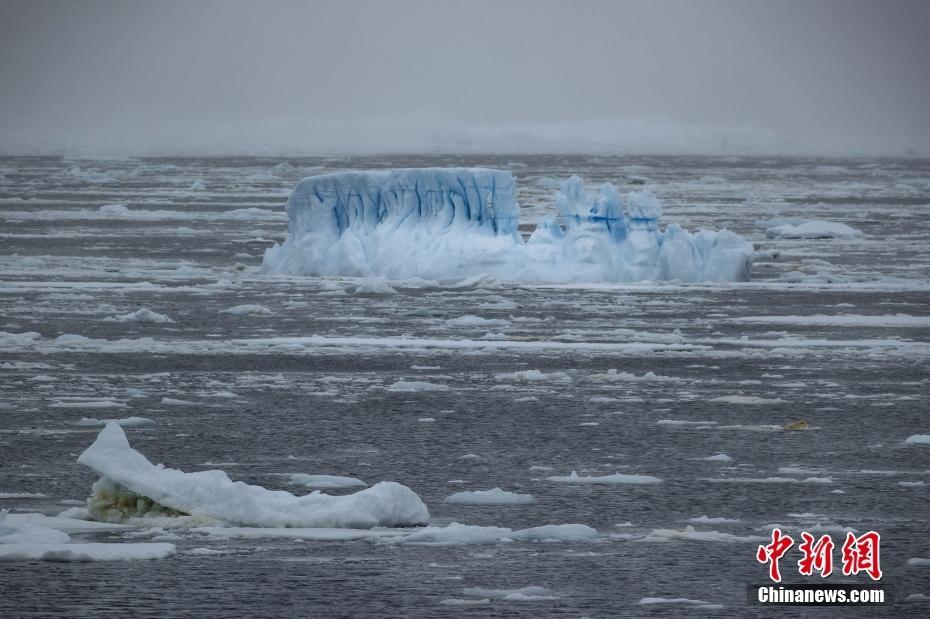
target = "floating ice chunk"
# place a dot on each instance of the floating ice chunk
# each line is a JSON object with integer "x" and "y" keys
{"x": 843, "y": 320}
{"x": 814, "y": 229}
{"x": 198, "y": 185}
{"x": 407, "y": 386}
{"x": 211, "y": 494}
{"x": 494, "y": 496}
{"x": 746, "y": 399}
{"x": 437, "y": 223}
{"x": 524, "y": 594}
{"x": 918, "y": 562}
{"x": 533, "y": 376}
{"x": 326, "y": 481}
{"x": 456, "y": 533}
{"x": 375, "y": 286}
{"x": 918, "y": 439}
{"x": 249, "y": 309}
{"x": 128, "y": 422}
{"x": 26, "y": 532}
{"x": 613, "y": 375}
{"x": 65, "y": 524}
{"x": 175, "y": 402}
{"x": 23, "y": 495}
{"x": 316, "y": 534}
{"x": 616, "y": 478}
{"x": 119, "y": 210}
{"x": 709, "y": 520}
{"x": 141, "y": 315}
{"x": 690, "y": 534}
{"x": 25, "y": 537}
{"x": 470, "y": 320}
{"x": 86, "y": 552}
{"x": 720, "y": 457}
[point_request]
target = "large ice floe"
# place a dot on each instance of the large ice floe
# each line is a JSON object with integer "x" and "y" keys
{"x": 131, "y": 486}
{"x": 438, "y": 223}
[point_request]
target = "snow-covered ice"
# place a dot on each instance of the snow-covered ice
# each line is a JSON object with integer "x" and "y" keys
{"x": 456, "y": 533}
{"x": 141, "y": 315}
{"x": 494, "y": 496}
{"x": 616, "y": 478}
{"x": 326, "y": 481}
{"x": 446, "y": 222}
{"x": 918, "y": 439}
{"x": 813, "y": 229}
{"x": 522, "y": 594}
{"x": 128, "y": 476}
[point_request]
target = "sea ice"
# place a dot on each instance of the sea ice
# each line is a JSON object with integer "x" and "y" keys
{"x": 132, "y": 486}
{"x": 326, "y": 481}
{"x": 523, "y": 594}
{"x": 494, "y": 496}
{"x": 813, "y": 229}
{"x": 141, "y": 315}
{"x": 616, "y": 478}
{"x": 918, "y": 439}
{"x": 436, "y": 223}
{"x": 34, "y": 537}
{"x": 456, "y": 533}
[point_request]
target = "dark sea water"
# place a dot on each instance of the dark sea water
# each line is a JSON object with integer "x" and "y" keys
{"x": 266, "y": 406}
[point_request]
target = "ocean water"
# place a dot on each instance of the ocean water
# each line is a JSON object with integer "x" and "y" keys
{"x": 730, "y": 366}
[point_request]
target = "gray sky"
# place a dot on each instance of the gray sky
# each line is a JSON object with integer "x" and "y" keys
{"x": 812, "y": 76}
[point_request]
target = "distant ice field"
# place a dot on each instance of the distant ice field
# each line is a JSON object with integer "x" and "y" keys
{"x": 131, "y": 291}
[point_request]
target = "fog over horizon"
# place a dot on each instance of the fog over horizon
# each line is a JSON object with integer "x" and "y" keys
{"x": 106, "y": 77}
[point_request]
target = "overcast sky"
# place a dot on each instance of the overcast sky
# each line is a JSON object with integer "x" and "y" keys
{"x": 822, "y": 76}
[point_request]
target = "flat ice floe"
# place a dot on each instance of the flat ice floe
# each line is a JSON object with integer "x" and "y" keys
{"x": 616, "y": 478}
{"x": 842, "y": 320}
{"x": 456, "y": 533}
{"x": 523, "y": 594}
{"x": 326, "y": 481}
{"x": 918, "y": 439}
{"x": 33, "y": 537}
{"x": 813, "y": 229}
{"x": 494, "y": 496}
{"x": 132, "y": 486}
{"x": 141, "y": 315}
{"x": 438, "y": 223}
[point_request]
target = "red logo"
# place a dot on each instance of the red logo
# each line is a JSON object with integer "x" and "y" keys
{"x": 860, "y": 554}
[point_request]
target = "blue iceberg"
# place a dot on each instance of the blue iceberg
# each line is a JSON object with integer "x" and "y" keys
{"x": 438, "y": 223}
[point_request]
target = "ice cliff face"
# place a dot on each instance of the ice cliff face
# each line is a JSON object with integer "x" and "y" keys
{"x": 438, "y": 223}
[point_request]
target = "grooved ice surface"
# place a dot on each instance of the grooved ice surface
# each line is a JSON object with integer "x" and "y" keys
{"x": 438, "y": 223}
{"x": 213, "y": 495}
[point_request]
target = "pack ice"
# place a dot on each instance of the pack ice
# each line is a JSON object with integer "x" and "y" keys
{"x": 437, "y": 223}
{"x": 132, "y": 486}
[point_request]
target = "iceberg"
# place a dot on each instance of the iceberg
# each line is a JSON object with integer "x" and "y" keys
{"x": 131, "y": 486}
{"x": 439, "y": 223}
